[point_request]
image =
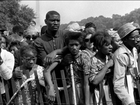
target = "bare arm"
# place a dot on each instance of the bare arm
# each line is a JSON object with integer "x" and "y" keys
{"x": 100, "y": 76}
{"x": 47, "y": 73}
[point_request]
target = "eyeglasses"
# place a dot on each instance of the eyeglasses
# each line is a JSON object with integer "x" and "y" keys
{"x": 87, "y": 40}
{"x": 136, "y": 38}
{"x": 33, "y": 37}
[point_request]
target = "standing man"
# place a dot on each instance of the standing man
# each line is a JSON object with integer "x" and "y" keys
{"x": 52, "y": 39}
{"x": 124, "y": 62}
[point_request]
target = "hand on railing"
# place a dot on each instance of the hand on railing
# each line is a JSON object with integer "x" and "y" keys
{"x": 51, "y": 94}
{"x": 17, "y": 74}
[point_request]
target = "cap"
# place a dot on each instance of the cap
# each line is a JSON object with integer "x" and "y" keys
{"x": 126, "y": 29}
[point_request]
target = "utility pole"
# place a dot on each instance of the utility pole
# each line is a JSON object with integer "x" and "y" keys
{"x": 38, "y": 13}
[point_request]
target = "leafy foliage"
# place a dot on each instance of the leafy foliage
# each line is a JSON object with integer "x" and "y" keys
{"x": 115, "y": 21}
{"x": 12, "y": 13}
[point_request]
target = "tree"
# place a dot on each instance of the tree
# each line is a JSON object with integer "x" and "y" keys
{"x": 12, "y": 13}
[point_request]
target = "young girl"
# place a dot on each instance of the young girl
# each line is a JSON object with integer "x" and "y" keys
{"x": 28, "y": 56}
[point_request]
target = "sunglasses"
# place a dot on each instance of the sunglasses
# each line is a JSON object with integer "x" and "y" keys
{"x": 33, "y": 37}
{"x": 87, "y": 40}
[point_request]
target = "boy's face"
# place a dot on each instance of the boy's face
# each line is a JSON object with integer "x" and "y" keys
{"x": 74, "y": 47}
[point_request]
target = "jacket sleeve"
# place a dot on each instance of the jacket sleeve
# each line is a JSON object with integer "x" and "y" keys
{"x": 120, "y": 66}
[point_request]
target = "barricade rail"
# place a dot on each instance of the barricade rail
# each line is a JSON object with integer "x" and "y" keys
{"x": 10, "y": 91}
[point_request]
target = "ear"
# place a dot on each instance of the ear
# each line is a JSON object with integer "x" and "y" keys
{"x": 45, "y": 21}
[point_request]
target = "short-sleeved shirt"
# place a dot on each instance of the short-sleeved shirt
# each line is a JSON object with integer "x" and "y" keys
{"x": 81, "y": 66}
{"x": 96, "y": 66}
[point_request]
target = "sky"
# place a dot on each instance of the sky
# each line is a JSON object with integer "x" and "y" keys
{"x": 78, "y": 10}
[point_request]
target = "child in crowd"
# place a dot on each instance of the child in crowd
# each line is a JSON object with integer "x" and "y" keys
{"x": 28, "y": 57}
{"x": 80, "y": 63}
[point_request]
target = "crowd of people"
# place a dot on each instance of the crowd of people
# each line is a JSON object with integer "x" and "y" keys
{"x": 99, "y": 59}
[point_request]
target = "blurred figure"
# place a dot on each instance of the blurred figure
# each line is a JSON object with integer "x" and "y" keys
{"x": 90, "y": 28}
{"x": 75, "y": 27}
{"x": 14, "y": 47}
{"x": 116, "y": 40}
{"x": 4, "y": 42}
{"x": 18, "y": 35}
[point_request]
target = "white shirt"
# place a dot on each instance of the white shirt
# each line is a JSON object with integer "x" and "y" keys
{"x": 6, "y": 68}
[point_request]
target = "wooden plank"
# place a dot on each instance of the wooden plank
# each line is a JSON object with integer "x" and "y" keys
{"x": 137, "y": 80}
{"x": 14, "y": 90}
{"x": 6, "y": 90}
{"x": 39, "y": 90}
{"x": 1, "y": 101}
{"x": 65, "y": 87}
{"x": 56, "y": 88}
{"x": 22, "y": 92}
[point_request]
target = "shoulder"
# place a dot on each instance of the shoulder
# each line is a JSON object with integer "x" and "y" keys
{"x": 40, "y": 67}
{"x": 121, "y": 56}
{"x": 6, "y": 53}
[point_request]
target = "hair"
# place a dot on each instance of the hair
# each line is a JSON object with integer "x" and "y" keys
{"x": 17, "y": 29}
{"x": 51, "y": 13}
{"x": 14, "y": 43}
{"x": 90, "y": 24}
{"x": 74, "y": 36}
{"x": 25, "y": 49}
{"x": 100, "y": 38}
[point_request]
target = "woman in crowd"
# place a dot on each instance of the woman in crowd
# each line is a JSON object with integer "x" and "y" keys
{"x": 90, "y": 51}
{"x": 102, "y": 41}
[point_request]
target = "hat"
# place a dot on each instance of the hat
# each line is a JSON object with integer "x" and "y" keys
{"x": 126, "y": 29}
{"x": 73, "y": 27}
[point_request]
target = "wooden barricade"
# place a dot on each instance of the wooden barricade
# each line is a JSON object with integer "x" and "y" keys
{"x": 60, "y": 98}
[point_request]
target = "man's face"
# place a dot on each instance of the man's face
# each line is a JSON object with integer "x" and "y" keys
{"x": 74, "y": 47}
{"x": 134, "y": 38}
{"x": 53, "y": 22}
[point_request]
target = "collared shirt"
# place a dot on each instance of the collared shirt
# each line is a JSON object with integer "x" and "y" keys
{"x": 6, "y": 68}
{"x": 123, "y": 61}
{"x": 46, "y": 44}
{"x": 81, "y": 66}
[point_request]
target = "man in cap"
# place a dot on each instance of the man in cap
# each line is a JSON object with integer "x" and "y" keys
{"x": 124, "y": 61}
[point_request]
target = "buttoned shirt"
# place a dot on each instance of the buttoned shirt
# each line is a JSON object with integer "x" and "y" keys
{"x": 123, "y": 64}
{"x": 48, "y": 43}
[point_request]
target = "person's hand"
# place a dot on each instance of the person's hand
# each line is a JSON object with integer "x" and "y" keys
{"x": 109, "y": 63}
{"x": 51, "y": 93}
{"x": 49, "y": 58}
{"x": 17, "y": 74}
{"x": 132, "y": 104}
